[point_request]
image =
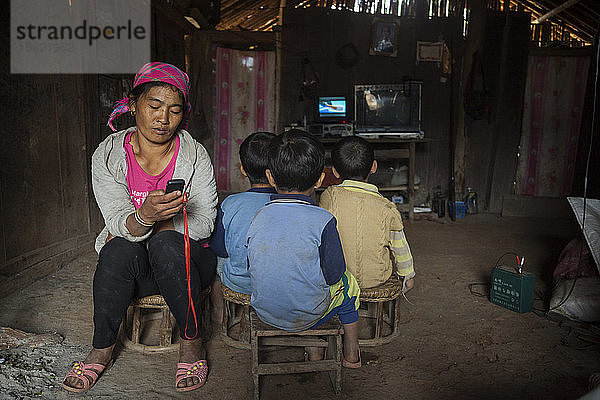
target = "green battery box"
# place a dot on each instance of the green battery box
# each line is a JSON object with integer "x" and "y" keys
{"x": 511, "y": 289}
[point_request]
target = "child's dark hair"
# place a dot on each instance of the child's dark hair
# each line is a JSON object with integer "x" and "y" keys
{"x": 253, "y": 156}
{"x": 296, "y": 160}
{"x": 353, "y": 158}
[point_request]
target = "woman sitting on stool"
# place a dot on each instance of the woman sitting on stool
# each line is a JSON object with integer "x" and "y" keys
{"x": 142, "y": 248}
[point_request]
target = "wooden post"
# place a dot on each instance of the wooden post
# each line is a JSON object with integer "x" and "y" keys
{"x": 545, "y": 33}
{"x": 396, "y": 314}
{"x": 254, "y": 346}
{"x": 136, "y": 324}
{"x": 411, "y": 181}
{"x": 537, "y": 34}
{"x": 244, "y": 323}
{"x": 278, "y": 54}
{"x": 166, "y": 329}
{"x": 379, "y": 320}
{"x": 473, "y": 44}
{"x": 334, "y": 350}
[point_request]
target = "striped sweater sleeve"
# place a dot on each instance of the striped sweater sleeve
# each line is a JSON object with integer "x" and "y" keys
{"x": 403, "y": 260}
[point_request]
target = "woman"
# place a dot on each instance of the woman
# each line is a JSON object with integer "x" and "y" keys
{"x": 142, "y": 248}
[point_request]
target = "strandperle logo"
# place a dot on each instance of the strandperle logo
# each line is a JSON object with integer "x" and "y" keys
{"x": 82, "y": 32}
{"x": 79, "y": 36}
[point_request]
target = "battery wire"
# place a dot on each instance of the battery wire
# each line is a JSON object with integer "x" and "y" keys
{"x": 474, "y": 292}
{"x": 486, "y": 285}
{"x": 507, "y": 253}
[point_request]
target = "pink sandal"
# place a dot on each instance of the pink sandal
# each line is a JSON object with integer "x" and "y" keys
{"x": 188, "y": 370}
{"x": 86, "y": 373}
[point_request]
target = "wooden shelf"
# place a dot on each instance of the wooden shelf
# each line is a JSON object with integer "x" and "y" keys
{"x": 400, "y": 188}
{"x": 382, "y": 139}
{"x": 397, "y": 149}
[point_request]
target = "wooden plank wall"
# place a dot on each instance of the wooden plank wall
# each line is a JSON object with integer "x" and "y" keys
{"x": 492, "y": 143}
{"x": 49, "y": 214}
{"x": 44, "y": 186}
{"x": 317, "y": 34}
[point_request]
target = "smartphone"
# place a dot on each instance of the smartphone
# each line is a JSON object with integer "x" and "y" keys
{"x": 175, "y": 184}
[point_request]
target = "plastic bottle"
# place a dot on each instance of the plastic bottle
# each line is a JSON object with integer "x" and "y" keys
{"x": 471, "y": 201}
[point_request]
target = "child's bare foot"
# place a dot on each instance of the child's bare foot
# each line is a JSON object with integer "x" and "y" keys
{"x": 351, "y": 350}
{"x": 96, "y": 356}
{"x": 352, "y": 355}
{"x": 314, "y": 353}
{"x": 190, "y": 351}
{"x": 408, "y": 284}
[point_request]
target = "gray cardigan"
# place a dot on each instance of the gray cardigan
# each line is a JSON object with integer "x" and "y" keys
{"x": 109, "y": 172}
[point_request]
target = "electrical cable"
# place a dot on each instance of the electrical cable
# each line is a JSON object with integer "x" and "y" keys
{"x": 186, "y": 237}
{"x": 476, "y": 293}
{"x": 585, "y": 181}
{"x": 505, "y": 254}
{"x": 471, "y": 286}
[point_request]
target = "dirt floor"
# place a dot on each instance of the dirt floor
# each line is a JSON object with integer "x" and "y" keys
{"x": 453, "y": 345}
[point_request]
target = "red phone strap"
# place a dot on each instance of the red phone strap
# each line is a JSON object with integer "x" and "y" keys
{"x": 186, "y": 239}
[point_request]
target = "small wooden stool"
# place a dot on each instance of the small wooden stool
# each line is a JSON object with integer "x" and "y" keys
{"x": 166, "y": 341}
{"x": 262, "y": 334}
{"x": 236, "y": 306}
{"x": 387, "y": 310}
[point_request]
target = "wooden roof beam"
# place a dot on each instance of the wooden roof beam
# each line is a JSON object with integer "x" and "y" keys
{"x": 239, "y": 7}
{"x": 556, "y": 10}
{"x": 583, "y": 25}
{"x": 578, "y": 27}
{"x": 258, "y": 22}
{"x": 270, "y": 24}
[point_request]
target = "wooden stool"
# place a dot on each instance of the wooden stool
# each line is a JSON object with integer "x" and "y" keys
{"x": 235, "y": 306}
{"x": 262, "y": 334}
{"x": 387, "y": 310}
{"x": 167, "y": 322}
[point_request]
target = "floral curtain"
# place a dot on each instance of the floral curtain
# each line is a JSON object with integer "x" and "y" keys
{"x": 245, "y": 103}
{"x": 554, "y": 96}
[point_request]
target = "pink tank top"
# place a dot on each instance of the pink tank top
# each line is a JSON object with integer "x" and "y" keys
{"x": 139, "y": 182}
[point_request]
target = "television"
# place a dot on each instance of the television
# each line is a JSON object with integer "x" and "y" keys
{"x": 332, "y": 108}
{"x": 388, "y": 108}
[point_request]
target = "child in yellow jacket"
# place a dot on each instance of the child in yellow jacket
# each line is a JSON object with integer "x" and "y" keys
{"x": 370, "y": 226}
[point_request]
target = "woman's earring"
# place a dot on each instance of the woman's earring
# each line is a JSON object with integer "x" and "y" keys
{"x": 133, "y": 113}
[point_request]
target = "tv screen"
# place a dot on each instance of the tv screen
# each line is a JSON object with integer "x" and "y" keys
{"x": 332, "y": 107}
{"x": 392, "y": 107}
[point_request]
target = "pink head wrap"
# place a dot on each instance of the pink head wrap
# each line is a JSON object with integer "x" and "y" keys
{"x": 161, "y": 72}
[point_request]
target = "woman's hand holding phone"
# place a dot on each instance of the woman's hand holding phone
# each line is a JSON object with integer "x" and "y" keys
{"x": 161, "y": 205}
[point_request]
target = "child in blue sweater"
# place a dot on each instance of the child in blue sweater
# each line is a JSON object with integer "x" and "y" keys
{"x": 234, "y": 217}
{"x": 297, "y": 270}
